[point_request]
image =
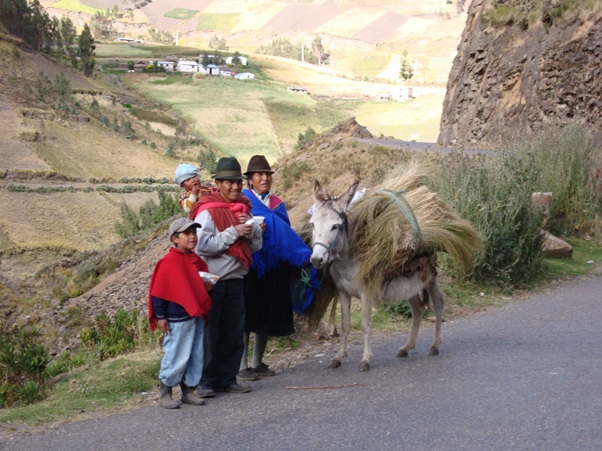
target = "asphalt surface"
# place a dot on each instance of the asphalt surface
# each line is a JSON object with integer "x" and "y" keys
{"x": 523, "y": 376}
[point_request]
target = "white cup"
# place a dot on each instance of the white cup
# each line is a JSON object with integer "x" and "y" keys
{"x": 259, "y": 219}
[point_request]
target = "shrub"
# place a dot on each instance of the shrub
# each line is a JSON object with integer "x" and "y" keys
{"x": 118, "y": 335}
{"x": 568, "y": 160}
{"x": 207, "y": 160}
{"x": 23, "y": 362}
{"x": 495, "y": 193}
{"x": 148, "y": 215}
{"x": 305, "y": 138}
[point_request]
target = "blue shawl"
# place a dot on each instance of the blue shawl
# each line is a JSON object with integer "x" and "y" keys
{"x": 280, "y": 244}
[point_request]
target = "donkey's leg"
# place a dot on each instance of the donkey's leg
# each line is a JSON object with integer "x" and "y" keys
{"x": 345, "y": 299}
{"x": 417, "y": 311}
{"x": 436, "y": 297}
{"x": 366, "y": 328}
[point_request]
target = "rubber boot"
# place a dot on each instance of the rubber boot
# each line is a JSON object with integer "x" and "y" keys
{"x": 165, "y": 399}
{"x": 190, "y": 397}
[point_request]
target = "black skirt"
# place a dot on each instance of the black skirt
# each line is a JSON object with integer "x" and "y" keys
{"x": 268, "y": 302}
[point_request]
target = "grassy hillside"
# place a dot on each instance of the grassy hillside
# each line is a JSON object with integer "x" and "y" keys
{"x": 64, "y": 157}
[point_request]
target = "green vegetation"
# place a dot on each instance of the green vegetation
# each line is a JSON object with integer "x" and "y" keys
{"x": 305, "y": 138}
{"x": 23, "y": 362}
{"x": 110, "y": 385}
{"x": 529, "y": 13}
{"x": 26, "y": 367}
{"x": 181, "y": 13}
{"x": 314, "y": 54}
{"x": 150, "y": 214}
{"x": 123, "y": 51}
{"x": 76, "y": 6}
{"x": 494, "y": 191}
{"x": 217, "y": 21}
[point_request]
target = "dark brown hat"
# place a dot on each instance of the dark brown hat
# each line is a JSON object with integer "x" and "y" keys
{"x": 228, "y": 168}
{"x": 258, "y": 163}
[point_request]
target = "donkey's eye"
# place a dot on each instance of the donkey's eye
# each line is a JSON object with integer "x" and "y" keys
{"x": 335, "y": 226}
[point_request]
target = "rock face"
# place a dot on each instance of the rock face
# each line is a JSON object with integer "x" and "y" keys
{"x": 506, "y": 81}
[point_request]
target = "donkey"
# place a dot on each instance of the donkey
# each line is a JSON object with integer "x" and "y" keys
{"x": 414, "y": 281}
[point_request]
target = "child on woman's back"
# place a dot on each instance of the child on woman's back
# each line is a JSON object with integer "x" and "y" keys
{"x": 187, "y": 176}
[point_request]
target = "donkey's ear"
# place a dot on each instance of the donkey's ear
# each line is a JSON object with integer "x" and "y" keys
{"x": 345, "y": 199}
{"x": 318, "y": 192}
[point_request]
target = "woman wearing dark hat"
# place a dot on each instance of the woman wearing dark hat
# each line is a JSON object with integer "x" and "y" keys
{"x": 226, "y": 241}
{"x": 268, "y": 294}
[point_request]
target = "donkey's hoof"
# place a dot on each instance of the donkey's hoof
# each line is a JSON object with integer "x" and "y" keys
{"x": 433, "y": 351}
{"x": 335, "y": 363}
{"x": 364, "y": 366}
{"x": 402, "y": 353}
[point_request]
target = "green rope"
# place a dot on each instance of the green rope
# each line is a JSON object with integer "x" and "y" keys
{"x": 406, "y": 209}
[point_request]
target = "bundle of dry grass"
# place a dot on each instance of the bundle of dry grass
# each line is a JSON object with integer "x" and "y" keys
{"x": 402, "y": 220}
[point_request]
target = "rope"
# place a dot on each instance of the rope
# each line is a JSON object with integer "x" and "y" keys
{"x": 406, "y": 209}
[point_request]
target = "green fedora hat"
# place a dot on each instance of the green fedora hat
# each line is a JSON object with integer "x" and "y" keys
{"x": 228, "y": 168}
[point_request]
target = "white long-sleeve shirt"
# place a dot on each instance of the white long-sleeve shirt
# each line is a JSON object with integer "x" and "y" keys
{"x": 213, "y": 244}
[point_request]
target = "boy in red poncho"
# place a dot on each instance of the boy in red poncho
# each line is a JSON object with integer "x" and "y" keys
{"x": 178, "y": 303}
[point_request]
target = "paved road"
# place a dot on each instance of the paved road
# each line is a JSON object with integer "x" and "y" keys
{"x": 525, "y": 376}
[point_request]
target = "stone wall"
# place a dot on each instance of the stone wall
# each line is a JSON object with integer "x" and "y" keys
{"x": 509, "y": 82}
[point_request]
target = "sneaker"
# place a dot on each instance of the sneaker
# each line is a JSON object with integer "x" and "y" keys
{"x": 233, "y": 388}
{"x": 204, "y": 391}
{"x": 247, "y": 375}
{"x": 262, "y": 370}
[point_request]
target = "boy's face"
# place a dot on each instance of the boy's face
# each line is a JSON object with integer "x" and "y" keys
{"x": 190, "y": 183}
{"x": 186, "y": 240}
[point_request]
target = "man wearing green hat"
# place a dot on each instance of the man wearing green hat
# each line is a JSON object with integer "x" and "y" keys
{"x": 227, "y": 238}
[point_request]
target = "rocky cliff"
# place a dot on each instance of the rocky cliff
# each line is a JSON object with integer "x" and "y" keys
{"x": 510, "y": 79}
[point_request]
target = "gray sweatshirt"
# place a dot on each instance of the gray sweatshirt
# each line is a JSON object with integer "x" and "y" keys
{"x": 213, "y": 244}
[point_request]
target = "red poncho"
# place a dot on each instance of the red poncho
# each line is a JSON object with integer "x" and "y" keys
{"x": 176, "y": 279}
{"x": 224, "y": 215}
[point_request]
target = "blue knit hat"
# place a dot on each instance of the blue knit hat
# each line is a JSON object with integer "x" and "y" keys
{"x": 184, "y": 172}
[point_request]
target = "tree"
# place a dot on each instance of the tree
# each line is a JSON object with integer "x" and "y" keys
{"x": 86, "y": 51}
{"x": 406, "y": 71}
{"x": 68, "y": 35}
{"x": 102, "y": 24}
{"x": 318, "y": 50}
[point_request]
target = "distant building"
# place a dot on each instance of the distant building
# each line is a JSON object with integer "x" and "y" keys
{"x": 243, "y": 60}
{"x": 187, "y": 66}
{"x": 244, "y": 76}
{"x": 166, "y": 65}
{"x": 212, "y": 69}
{"x": 404, "y": 94}
{"x": 301, "y": 89}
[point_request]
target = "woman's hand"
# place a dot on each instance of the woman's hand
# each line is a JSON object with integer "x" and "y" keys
{"x": 208, "y": 285}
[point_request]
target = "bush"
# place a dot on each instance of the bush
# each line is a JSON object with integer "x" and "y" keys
{"x": 495, "y": 193}
{"x": 148, "y": 215}
{"x": 23, "y": 362}
{"x": 119, "y": 335}
{"x": 568, "y": 160}
{"x": 304, "y": 138}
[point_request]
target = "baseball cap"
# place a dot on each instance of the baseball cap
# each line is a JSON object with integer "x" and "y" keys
{"x": 181, "y": 225}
